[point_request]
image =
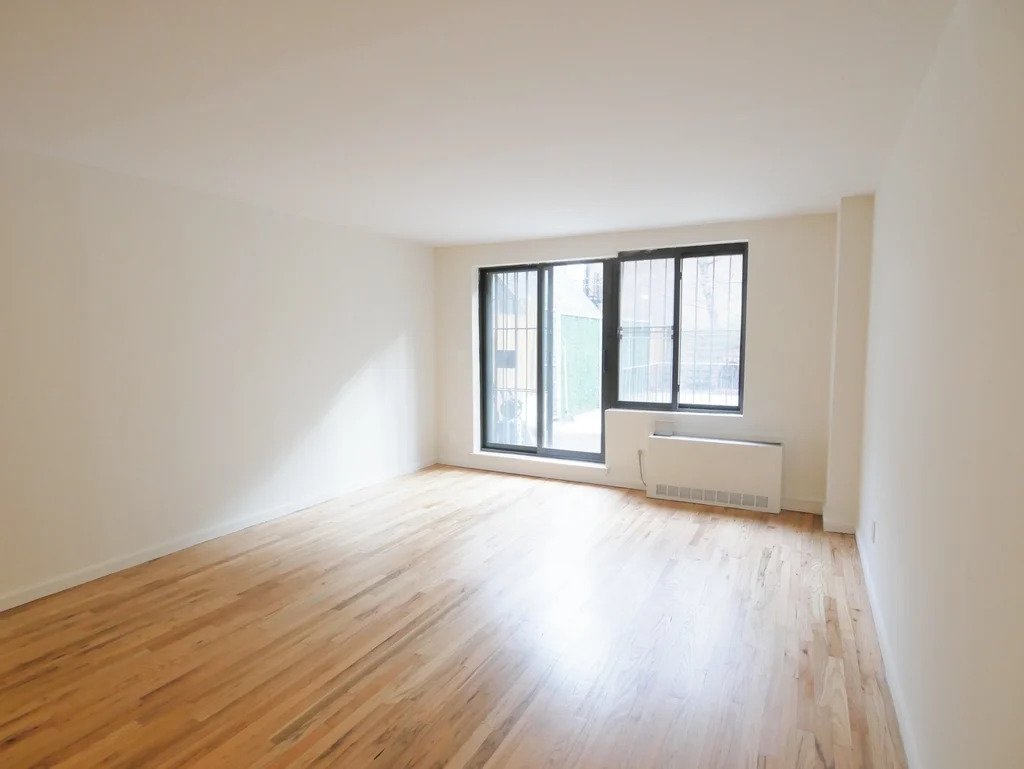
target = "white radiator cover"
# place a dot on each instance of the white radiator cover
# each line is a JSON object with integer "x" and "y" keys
{"x": 742, "y": 474}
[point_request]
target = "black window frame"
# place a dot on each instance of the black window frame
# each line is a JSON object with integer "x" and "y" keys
{"x": 543, "y": 270}
{"x": 611, "y": 309}
{"x": 613, "y": 327}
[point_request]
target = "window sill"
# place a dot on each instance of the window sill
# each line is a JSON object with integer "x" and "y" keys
{"x": 674, "y": 412}
{"x": 530, "y": 459}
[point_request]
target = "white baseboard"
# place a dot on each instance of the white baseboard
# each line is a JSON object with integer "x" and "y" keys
{"x": 837, "y": 527}
{"x": 537, "y": 467}
{"x": 70, "y": 579}
{"x": 888, "y": 659}
{"x": 580, "y": 472}
{"x": 837, "y": 519}
{"x": 813, "y": 506}
{"x": 22, "y": 595}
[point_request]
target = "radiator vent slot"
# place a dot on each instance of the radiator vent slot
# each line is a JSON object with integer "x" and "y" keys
{"x": 712, "y": 496}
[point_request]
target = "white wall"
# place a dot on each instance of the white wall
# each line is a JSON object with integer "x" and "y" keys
{"x": 788, "y": 342}
{"x": 849, "y": 350}
{"x": 944, "y": 430}
{"x": 175, "y": 365}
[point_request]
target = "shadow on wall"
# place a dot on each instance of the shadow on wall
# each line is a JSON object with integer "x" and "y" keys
{"x": 179, "y": 361}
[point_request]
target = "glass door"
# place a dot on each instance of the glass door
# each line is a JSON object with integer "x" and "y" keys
{"x": 542, "y": 359}
{"x": 510, "y": 345}
{"x": 572, "y": 358}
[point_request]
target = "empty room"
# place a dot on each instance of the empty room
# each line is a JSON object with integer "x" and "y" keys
{"x": 487, "y": 384}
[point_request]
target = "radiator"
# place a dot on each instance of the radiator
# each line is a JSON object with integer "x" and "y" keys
{"x": 741, "y": 474}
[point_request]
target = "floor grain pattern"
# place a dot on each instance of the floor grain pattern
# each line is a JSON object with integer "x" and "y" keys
{"x": 456, "y": 618}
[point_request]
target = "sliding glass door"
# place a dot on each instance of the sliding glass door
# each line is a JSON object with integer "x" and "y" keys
{"x": 542, "y": 359}
{"x": 509, "y": 332}
{"x": 571, "y": 370}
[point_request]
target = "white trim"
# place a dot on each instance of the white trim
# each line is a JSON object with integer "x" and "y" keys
{"x": 693, "y": 438}
{"x": 837, "y": 523}
{"x": 541, "y": 467}
{"x": 838, "y": 528}
{"x": 579, "y": 472}
{"x": 888, "y": 656}
{"x": 553, "y": 461}
{"x": 681, "y": 412}
{"x": 70, "y": 579}
{"x": 813, "y": 506}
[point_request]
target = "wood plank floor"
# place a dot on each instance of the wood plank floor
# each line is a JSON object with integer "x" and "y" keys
{"x": 456, "y": 618}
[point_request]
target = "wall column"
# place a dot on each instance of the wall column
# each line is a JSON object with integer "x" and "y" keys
{"x": 849, "y": 342}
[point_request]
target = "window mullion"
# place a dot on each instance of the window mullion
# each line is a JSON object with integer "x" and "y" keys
{"x": 677, "y": 337}
{"x": 612, "y": 323}
{"x": 542, "y": 275}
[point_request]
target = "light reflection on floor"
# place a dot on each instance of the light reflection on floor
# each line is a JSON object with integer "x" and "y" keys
{"x": 570, "y": 625}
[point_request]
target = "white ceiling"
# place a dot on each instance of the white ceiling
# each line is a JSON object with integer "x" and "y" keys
{"x": 473, "y": 120}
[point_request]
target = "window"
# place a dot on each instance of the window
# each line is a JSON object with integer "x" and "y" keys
{"x": 679, "y": 333}
{"x": 511, "y": 310}
{"x": 562, "y": 342}
{"x": 711, "y": 330}
{"x": 646, "y": 311}
{"x": 542, "y": 359}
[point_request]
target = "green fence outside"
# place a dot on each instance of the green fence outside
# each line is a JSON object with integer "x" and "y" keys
{"x": 581, "y": 366}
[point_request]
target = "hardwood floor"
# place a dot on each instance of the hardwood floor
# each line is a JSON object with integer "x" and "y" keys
{"x": 463, "y": 619}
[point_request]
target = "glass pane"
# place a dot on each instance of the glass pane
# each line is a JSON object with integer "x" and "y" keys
{"x": 645, "y": 330}
{"x": 710, "y": 323}
{"x": 512, "y": 358}
{"x": 572, "y": 357}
